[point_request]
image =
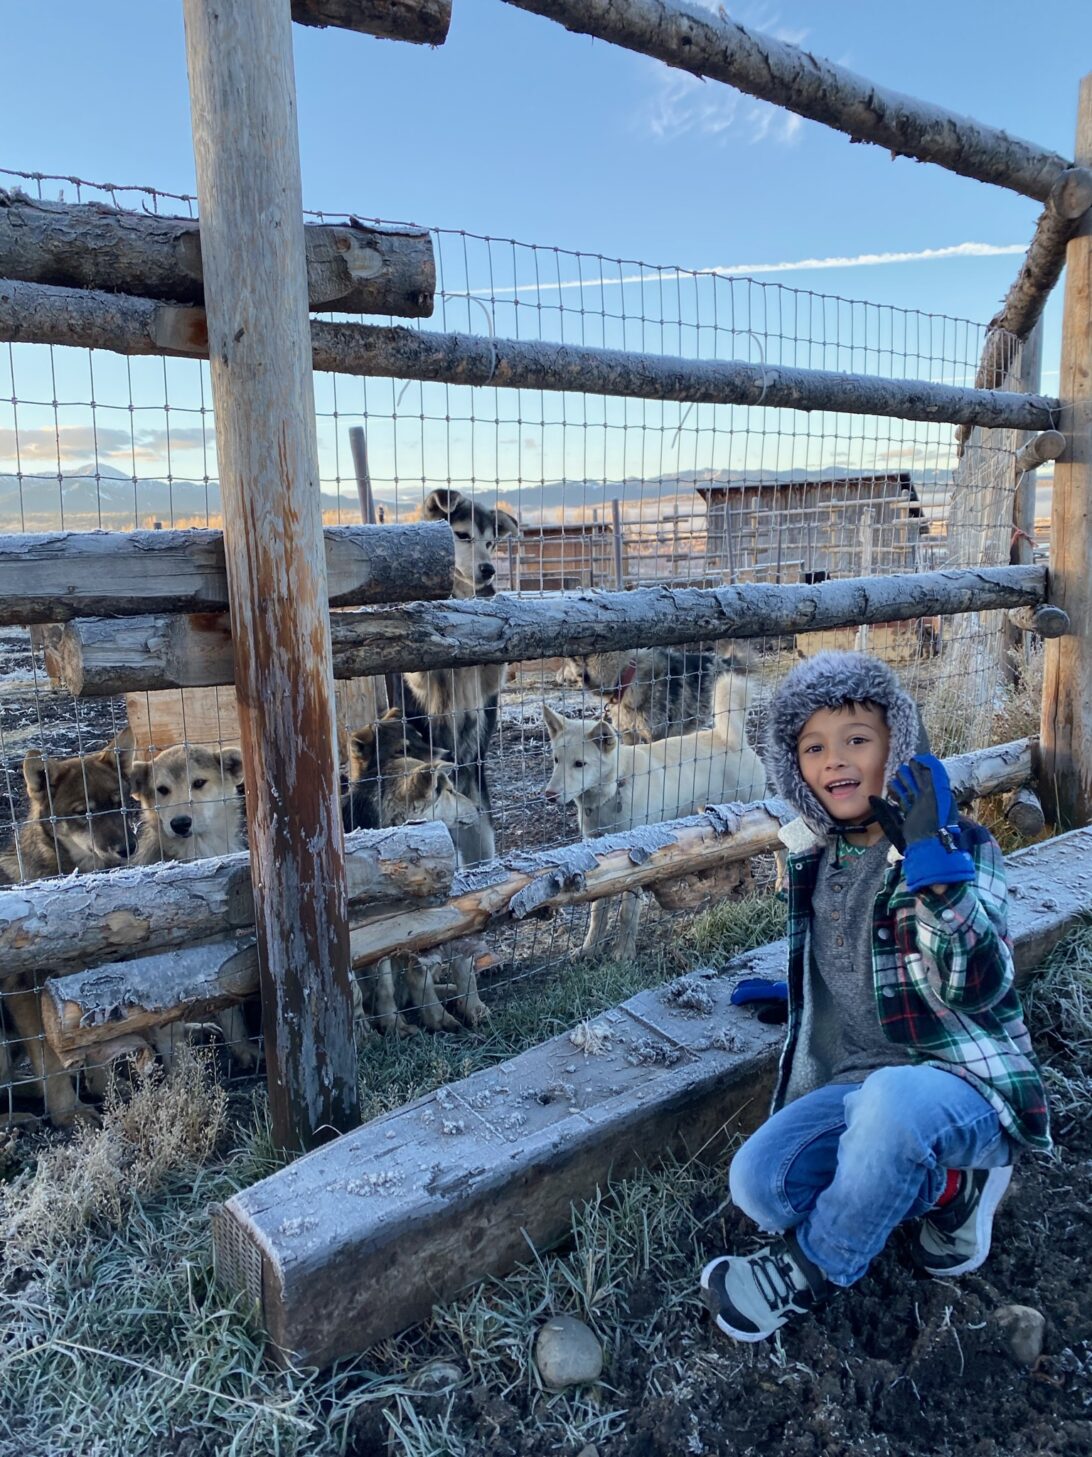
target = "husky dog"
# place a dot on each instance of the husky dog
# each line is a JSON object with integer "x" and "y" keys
{"x": 396, "y": 777}
{"x": 76, "y": 822}
{"x": 655, "y": 693}
{"x": 77, "y": 818}
{"x": 191, "y": 804}
{"x": 616, "y": 786}
{"x": 455, "y": 709}
{"x": 191, "y": 807}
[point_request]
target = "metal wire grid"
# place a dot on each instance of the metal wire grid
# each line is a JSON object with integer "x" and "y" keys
{"x": 608, "y": 492}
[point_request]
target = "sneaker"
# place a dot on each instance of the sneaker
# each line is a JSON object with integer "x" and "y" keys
{"x": 752, "y": 1296}
{"x": 955, "y": 1239}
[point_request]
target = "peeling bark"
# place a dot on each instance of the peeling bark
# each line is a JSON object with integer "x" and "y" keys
{"x": 424, "y": 22}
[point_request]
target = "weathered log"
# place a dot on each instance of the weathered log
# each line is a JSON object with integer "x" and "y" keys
{"x": 1066, "y": 783}
{"x": 424, "y": 22}
{"x": 56, "y": 576}
{"x": 1046, "y": 620}
{"x": 87, "y": 1007}
{"x": 359, "y": 1241}
{"x": 97, "y": 657}
{"x": 120, "y": 913}
{"x": 1047, "y": 445}
{"x": 1024, "y": 812}
{"x": 719, "y": 49}
{"x": 36, "y": 313}
{"x": 246, "y": 151}
{"x": 356, "y": 268}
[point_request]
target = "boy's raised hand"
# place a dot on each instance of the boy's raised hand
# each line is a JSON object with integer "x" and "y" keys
{"x": 921, "y": 820}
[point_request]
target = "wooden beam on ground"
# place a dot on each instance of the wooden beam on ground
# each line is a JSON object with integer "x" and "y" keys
{"x": 99, "y": 657}
{"x": 1066, "y": 784}
{"x": 36, "y": 313}
{"x": 717, "y": 48}
{"x": 86, "y": 1007}
{"x": 361, "y": 1238}
{"x": 246, "y": 150}
{"x": 56, "y": 576}
{"x": 167, "y": 906}
{"x": 355, "y": 268}
{"x": 424, "y": 22}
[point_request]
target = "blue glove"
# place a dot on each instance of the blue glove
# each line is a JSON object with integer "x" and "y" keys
{"x": 921, "y": 820}
{"x": 758, "y": 989}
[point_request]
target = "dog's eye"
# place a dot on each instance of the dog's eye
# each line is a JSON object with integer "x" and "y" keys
{"x": 578, "y": 763}
{"x": 198, "y": 783}
{"x": 462, "y": 535}
{"x": 162, "y": 789}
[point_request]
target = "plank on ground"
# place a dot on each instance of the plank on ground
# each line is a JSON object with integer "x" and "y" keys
{"x": 359, "y": 1239}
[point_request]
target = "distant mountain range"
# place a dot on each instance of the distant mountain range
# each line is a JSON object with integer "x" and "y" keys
{"x": 86, "y": 498}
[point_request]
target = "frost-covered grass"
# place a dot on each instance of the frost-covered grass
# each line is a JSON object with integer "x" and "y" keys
{"x": 114, "y": 1340}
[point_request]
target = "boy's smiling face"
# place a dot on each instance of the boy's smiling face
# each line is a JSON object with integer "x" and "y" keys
{"x": 842, "y": 754}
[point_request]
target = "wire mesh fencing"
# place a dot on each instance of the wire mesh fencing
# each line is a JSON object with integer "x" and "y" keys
{"x": 547, "y": 492}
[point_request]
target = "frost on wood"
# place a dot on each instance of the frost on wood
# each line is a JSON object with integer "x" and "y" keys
{"x": 41, "y": 314}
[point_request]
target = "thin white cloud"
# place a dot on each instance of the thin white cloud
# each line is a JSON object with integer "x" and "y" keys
{"x": 734, "y": 270}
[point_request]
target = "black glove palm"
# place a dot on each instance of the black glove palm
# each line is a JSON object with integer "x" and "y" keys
{"x": 921, "y": 821}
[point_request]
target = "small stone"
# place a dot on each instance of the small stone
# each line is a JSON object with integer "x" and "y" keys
{"x": 436, "y": 1376}
{"x": 591, "y": 1450}
{"x": 1023, "y": 1328}
{"x": 567, "y": 1353}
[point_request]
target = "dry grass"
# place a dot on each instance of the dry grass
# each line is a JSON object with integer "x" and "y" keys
{"x": 162, "y": 1126}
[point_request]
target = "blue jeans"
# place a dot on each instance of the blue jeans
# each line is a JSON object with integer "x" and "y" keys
{"x": 843, "y": 1165}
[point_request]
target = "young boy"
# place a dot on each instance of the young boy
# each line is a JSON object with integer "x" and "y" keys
{"x": 907, "y": 1078}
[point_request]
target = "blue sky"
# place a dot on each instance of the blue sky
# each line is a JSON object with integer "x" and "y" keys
{"x": 517, "y": 129}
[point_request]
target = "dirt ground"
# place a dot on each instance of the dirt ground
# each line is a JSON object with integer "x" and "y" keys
{"x": 898, "y": 1366}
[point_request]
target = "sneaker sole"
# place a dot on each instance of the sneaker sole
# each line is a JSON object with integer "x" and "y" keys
{"x": 713, "y": 1308}
{"x": 992, "y": 1195}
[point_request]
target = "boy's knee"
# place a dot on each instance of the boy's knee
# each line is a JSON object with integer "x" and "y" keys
{"x": 752, "y": 1191}
{"x": 884, "y": 1106}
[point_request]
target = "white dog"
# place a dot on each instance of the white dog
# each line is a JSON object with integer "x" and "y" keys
{"x": 616, "y": 786}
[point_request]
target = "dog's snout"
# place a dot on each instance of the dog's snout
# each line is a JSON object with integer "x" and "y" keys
{"x": 551, "y": 795}
{"x": 182, "y": 824}
{"x": 487, "y": 571}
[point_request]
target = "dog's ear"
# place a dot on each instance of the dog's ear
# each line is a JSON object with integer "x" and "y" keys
{"x": 38, "y": 774}
{"x": 602, "y": 734}
{"x": 504, "y": 524}
{"x": 118, "y": 753}
{"x": 554, "y": 722}
{"x": 441, "y": 504}
{"x": 362, "y": 755}
{"x": 140, "y": 779}
{"x": 231, "y": 764}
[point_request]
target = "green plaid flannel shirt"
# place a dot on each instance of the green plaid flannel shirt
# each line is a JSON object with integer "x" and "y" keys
{"x": 943, "y": 980}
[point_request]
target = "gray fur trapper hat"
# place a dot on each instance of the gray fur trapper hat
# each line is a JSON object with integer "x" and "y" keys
{"x": 831, "y": 680}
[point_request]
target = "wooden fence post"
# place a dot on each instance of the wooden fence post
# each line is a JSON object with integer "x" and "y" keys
{"x": 246, "y": 148}
{"x": 1066, "y": 769}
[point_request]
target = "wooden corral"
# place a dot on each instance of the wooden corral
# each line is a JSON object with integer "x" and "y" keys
{"x": 805, "y": 531}
{"x": 563, "y": 557}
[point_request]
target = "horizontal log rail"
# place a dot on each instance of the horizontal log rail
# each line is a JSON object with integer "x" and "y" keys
{"x": 424, "y": 22}
{"x": 719, "y": 49}
{"x": 90, "y": 1007}
{"x": 168, "y": 906}
{"x": 1048, "y": 445}
{"x": 97, "y": 657}
{"x": 356, "y": 268}
{"x": 38, "y": 313}
{"x": 56, "y": 576}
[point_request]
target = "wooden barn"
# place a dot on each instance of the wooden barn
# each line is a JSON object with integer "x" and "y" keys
{"x": 562, "y": 557}
{"x": 792, "y": 531}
